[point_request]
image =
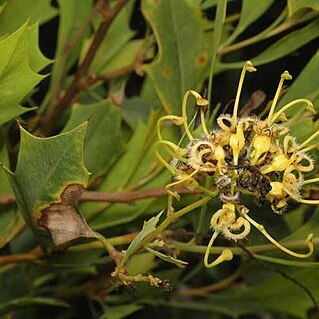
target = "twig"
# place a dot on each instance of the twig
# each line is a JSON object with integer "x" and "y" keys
{"x": 38, "y": 254}
{"x": 118, "y": 197}
{"x": 53, "y": 114}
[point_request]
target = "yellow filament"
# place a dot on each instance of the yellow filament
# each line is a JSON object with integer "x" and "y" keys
{"x": 175, "y": 119}
{"x": 309, "y": 201}
{"x": 225, "y": 255}
{"x": 288, "y": 106}
{"x": 247, "y": 67}
{"x": 262, "y": 229}
{"x": 199, "y": 101}
{"x": 181, "y": 181}
{"x": 310, "y": 181}
{"x": 172, "y": 149}
{"x": 284, "y": 76}
{"x": 309, "y": 148}
{"x": 202, "y": 119}
{"x": 308, "y": 140}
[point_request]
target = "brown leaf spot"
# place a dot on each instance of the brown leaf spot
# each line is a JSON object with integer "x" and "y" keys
{"x": 202, "y": 59}
{"x": 168, "y": 73}
{"x": 63, "y": 220}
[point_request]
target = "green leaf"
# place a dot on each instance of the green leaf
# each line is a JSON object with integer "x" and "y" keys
{"x": 276, "y": 295}
{"x": 10, "y": 220}
{"x": 287, "y": 262}
{"x": 306, "y": 85}
{"x": 37, "y": 60}
{"x": 281, "y": 296}
{"x": 298, "y": 89}
{"x": 17, "y": 77}
{"x": 124, "y": 57}
{"x": 141, "y": 263}
{"x": 169, "y": 259}
{"x": 135, "y": 110}
{"x": 284, "y": 46}
{"x": 148, "y": 227}
{"x": 137, "y": 168}
{"x": 250, "y": 13}
{"x": 18, "y": 12}
{"x": 116, "y": 39}
{"x": 183, "y": 57}
{"x": 218, "y": 31}
{"x": 119, "y": 312}
{"x": 206, "y": 4}
{"x": 48, "y": 181}
{"x": 103, "y": 140}
{"x": 28, "y": 302}
{"x": 296, "y": 5}
{"x": 73, "y": 16}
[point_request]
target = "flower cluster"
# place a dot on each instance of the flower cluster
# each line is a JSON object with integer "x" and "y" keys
{"x": 242, "y": 155}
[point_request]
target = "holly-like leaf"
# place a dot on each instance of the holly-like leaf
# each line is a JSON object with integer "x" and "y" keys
{"x": 103, "y": 140}
{"x": 17, "y": 70}
{"x": 33, "y": 11}
{"x": 10, "y": 220}
{"x": 183, "y": 57}
{"x": 49, "y": 178}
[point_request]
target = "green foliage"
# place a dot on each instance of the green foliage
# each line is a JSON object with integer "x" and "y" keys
{"x": 183, "y": 53}
{"x": 113, "y": 72}
{"x": 20, "y": 60}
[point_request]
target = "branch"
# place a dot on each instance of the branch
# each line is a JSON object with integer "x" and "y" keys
{"x": 68, "y": 48}
{"x": 37, "y": 253}
{"x": 51, "y": 117}
{"x": 118, "y": 197}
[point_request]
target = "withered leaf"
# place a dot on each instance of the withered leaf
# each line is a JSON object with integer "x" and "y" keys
{"x": 63, "y": 220}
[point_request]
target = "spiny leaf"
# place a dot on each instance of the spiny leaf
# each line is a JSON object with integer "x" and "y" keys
{"x": 49, "y": 179}
{"x": 10, "y": 220}
{"x": 183, "y": 57}
{"x": 16, "y": 76}
{"x": 103, "y": 140}
{"x": 18, "y": 12}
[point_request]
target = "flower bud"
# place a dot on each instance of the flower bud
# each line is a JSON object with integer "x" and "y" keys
{"x": 237, "y": 142}
{"x": 261, "y": 145}
{"x": 278, "y": 164}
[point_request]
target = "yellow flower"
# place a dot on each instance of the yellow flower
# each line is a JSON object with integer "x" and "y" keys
{"x": 250, "y": 155}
